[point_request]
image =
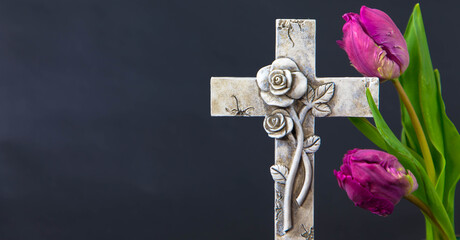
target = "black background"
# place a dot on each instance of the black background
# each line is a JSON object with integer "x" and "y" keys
{"x": 105, "y": 130}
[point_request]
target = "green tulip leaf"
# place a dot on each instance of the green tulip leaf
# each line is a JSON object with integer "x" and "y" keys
{"x": 411, "y": 160}
{"x": 420, "y": 85}
{"x": 393, "y": 145}
{"x": 423, "y": 87}
{"x": 452, "y": 153}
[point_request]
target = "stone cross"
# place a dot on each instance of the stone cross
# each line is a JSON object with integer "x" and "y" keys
{"x": 290, "y": 96}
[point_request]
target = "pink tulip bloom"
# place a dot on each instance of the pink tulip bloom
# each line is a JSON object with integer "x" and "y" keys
{"x": 375, "y": 46}
{"x": 374, "y": 180}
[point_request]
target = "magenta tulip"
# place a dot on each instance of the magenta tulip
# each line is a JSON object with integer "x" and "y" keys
{"x": 375, "y": 46}
{"x": 374, "y": 180}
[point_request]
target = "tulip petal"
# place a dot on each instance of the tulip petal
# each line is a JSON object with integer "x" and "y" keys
{"x": 374, "y": 180}
{"x": 348, "y": 156}
{"x": 381, "y": 173}
{"x": 365, "y": 199}
{"x": 365, "y": 55}
{"x": 386, "y": 160}
{"x": 386, "y": 34}
{"x": 357, "y": 193}
{"x": 284, "y": 64}
{"x": 299, "y": 85}
{"x": 340, "y": 43}
{"x": 262, "y": 78}
{"x": 340, "y": 177}
{"x": 378, "y": 206}
{"x": 345, "y": 169}
{"x": 379, "y": 182}
{"x": 358, "y": 45}
{"x": 273, "y": 100}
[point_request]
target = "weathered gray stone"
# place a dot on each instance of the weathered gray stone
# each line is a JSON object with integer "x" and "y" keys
{"x": 274, "y": 94}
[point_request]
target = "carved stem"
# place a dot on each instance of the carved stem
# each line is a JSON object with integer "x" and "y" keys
{"x": 306, "y": 162}
{"x": 293, "y": 171}
{"x": 308, "y": 178}
{"x": 292, "y": 138}
{"x": 303, "y": 113}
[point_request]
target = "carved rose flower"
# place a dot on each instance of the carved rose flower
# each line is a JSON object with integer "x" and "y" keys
{"x": 278, "y": 124}
{"x": 281, "y": 83}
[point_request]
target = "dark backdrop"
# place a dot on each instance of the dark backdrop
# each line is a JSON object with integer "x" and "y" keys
{"x": 105, "y": 130}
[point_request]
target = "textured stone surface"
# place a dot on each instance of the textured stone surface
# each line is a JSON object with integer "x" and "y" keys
{"x": 232, "y": 96}
{"x": 349, "y": 99}
{"x": 244, "y": 89}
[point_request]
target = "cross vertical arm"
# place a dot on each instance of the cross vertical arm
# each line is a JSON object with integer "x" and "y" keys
{"x": 290, "y": 96}
{"x": 296, "y": 40}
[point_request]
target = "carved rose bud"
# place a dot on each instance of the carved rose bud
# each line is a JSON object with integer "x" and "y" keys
{"x": 281, "y": 83}
{"x": 278, "y": 124}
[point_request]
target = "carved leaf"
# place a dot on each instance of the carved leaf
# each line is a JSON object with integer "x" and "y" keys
{"x": 311, "y": 144}
{"x": 279, "y": 173}
{"x": 324, "y": 93}
{"x": 310, "y": 94}
{"x": 321, "y": 110}
{"x": 308, "y": 98}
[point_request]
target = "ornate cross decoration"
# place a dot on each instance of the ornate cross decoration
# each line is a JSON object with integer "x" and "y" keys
{"x": 290, "y": 96}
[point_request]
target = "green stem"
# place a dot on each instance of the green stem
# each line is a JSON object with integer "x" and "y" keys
{"x": 418, "y": 131}
{"x": 427, "y": 212}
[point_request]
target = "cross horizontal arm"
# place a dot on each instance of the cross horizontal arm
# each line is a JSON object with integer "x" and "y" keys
{"x": 225, "y": 91}
{"x": 350, "y": 95}
{"x": 349, "y": 99}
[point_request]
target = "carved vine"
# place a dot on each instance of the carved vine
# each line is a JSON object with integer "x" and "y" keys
{"x": 308, "y": 234}
{"x": 239, "y": 111}
{"x": 283, "y": 85}
{"x": 287, "y": 24}
{"x": 278, "y": 202}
